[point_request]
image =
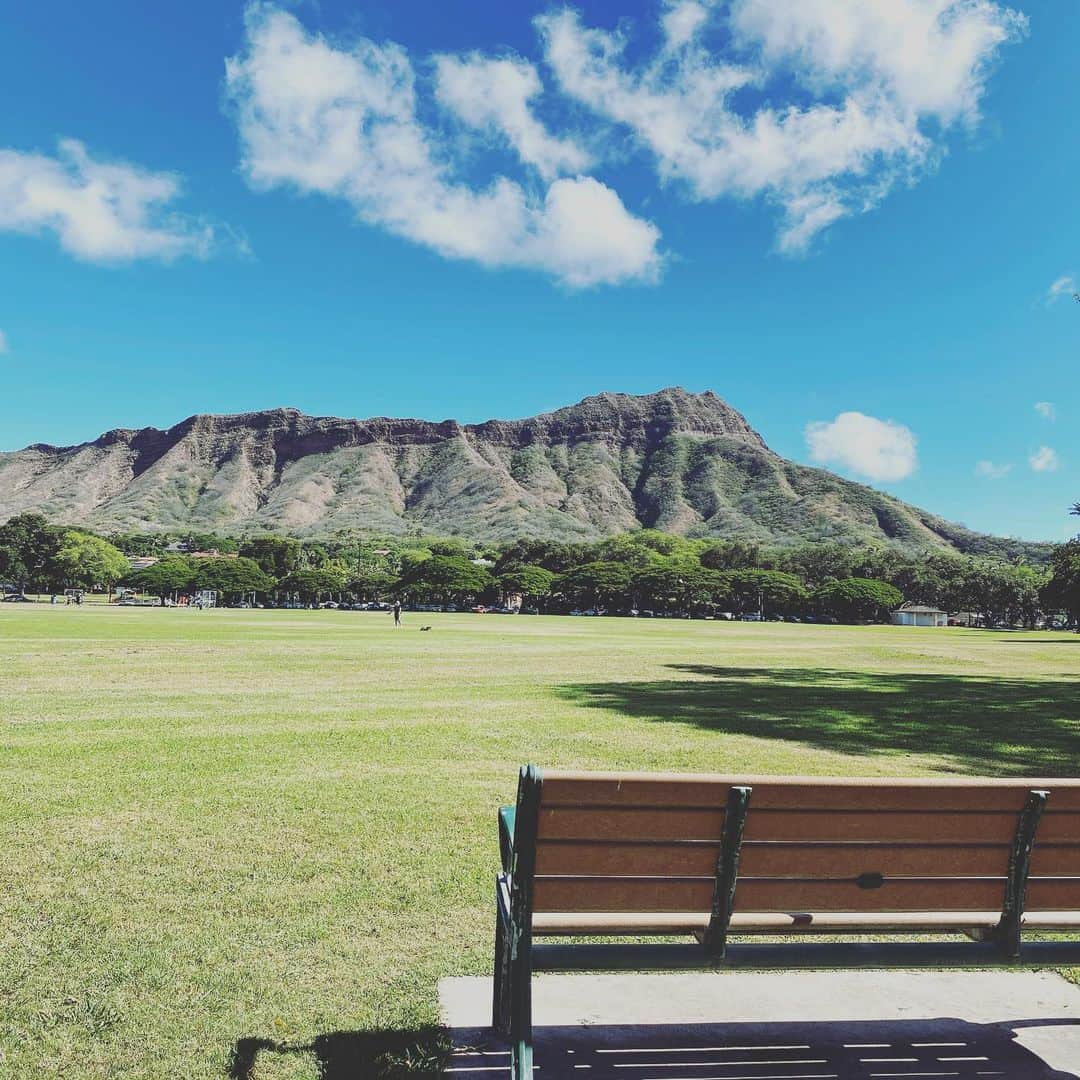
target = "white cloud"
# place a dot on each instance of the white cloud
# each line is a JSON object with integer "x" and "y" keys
{"x": 493, "y": 95}
{"x": 99, "y": 210}
{"x": 342, "y": 121}
{"x": 880, "y": 450}
{"x": 872, "y": 88}
{"x": 1063, "y": 286}
{"x": 1044, "y": 460}
{"x": 4, "y": 347}
{"x": 989, "y": 471}
{"x": 1046, "y": 410}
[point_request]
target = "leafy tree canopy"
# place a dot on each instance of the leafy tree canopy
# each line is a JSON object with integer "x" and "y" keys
{"x": 88, "y": 561}
{"x": 857, "y": 599}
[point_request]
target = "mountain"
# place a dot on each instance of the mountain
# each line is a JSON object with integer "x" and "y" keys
{"x": 681, "y": 462}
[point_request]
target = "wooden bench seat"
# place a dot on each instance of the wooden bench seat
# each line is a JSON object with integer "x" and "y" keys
{"x": 707, "y": 857}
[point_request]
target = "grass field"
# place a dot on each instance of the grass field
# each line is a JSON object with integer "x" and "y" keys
{"x": 247, "y": 844}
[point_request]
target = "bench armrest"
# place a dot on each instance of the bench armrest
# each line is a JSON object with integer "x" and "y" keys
{"x": 507, "y": 816}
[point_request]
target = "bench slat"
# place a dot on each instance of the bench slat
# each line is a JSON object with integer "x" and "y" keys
{"x": 585, "y": 823}
{"x": 785, "y": 894}
{"x": 1052, "y": 894}
{"x": 804, "y": 793}
{"x": 1048, "y": 859}
{"x": 660, "y": 823}
{"x": 778, "y": 859}
{"x": 658, "y": 858}
{"x": 558, "y": 923}
{"x": 789, "y": 894}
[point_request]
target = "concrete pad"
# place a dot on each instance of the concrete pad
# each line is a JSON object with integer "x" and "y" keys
{"x": 805, "y": 1025}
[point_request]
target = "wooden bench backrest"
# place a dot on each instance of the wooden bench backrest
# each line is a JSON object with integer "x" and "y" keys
{"x": 650, "y": 842}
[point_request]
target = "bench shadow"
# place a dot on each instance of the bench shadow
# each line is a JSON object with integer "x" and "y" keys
{"x": 834, "y": 1050}
{"x": 348, "y": 1055}
{"x": 998, "y": 725}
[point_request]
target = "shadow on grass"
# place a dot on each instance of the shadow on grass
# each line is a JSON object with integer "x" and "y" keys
{"x": 1002, "y": 726}
{"x": 350, "y": 1055}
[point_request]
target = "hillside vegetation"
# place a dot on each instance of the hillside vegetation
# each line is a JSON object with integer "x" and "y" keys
{"x": 674, "y": 461}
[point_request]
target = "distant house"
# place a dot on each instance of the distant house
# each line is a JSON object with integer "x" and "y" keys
{"x": 919, "y": 615}
{"x": 141, "y": 562}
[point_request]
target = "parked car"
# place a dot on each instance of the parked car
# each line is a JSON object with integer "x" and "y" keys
{"x": 17, "y": 598}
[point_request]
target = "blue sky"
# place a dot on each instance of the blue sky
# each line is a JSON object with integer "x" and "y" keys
{"x": 861, "y": 211}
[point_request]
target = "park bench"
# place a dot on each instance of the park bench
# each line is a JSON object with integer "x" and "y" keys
{"x": 709, "y": 857}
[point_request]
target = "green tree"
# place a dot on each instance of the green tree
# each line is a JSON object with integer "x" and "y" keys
{"x": 446, "y": 578}
{"x": 231, "y": 578}
{"x": 772, "y": 592}
{"x": 317, "y": 582}
{"x": 815, "y": 564}
{"x": 857, "y": 600}
{"x": 164, "y": 578}
{"x": 276, "y": 555}
{"x": 88, "y": 561}
{"x": 597, "y": 584}
{"x": 552, "y": 555}
{"x": 371, "y": 583}
{"x": 678, "y": 583}
{"x": 532, "y": 583}
{"x": 731, "y": 555}
{"x": 1062, "y": 591}
{"x": 28, "y": 544}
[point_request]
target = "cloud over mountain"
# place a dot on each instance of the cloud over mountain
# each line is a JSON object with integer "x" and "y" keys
{"x": 880, "y": 450}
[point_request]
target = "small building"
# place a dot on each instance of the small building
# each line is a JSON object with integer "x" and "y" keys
{"x": 919, "y": 615}
{"x": 141, "y": 562}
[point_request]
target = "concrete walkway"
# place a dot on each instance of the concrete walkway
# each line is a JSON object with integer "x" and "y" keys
{"x": 781, "y": 1026}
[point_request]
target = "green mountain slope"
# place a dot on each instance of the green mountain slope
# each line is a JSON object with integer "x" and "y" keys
{"x": 680, "y": 462}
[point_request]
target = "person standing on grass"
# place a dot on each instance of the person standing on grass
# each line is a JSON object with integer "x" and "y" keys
{"x": 397, "y": 612}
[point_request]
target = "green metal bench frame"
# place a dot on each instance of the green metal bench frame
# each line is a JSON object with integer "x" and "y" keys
{"x": 516, "y": 957}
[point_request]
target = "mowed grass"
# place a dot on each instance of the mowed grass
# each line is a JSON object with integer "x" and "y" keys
{"x": 249, "y": 844}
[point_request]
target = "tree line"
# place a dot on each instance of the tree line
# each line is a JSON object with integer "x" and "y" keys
{"x": 640, "y": 571}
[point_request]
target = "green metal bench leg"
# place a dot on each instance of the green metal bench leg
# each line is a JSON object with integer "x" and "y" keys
{"x": 521, "y": 1050}
{"x": 500, "y": 1012}
{"x": 519, "y": 921}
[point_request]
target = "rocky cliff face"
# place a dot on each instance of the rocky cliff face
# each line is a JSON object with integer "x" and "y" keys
{"x": 686, "y": 463}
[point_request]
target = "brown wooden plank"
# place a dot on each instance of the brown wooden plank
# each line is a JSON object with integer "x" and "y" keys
{"x": 584, "y": 823}
{"x": 898, "y": 894}
{"x": 681, "y": 823}
{"x": 777, "y": 859}
{"x": 891, "y": 860}
{"x": 1050, "y": 859}
{"x": 622, "y": 894}
{"x": 658, "y": 859}
{"x": 1059, "y": 828}
{"x": 1053, "y": 894}
{"x": 794, "y": 793}
{"x": 765, "y": 894}
{"x": 883, "y": 826}
{"x": 823, "y": 922}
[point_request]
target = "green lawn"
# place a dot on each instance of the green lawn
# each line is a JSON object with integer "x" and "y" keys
{"x": 248, "y": 844}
